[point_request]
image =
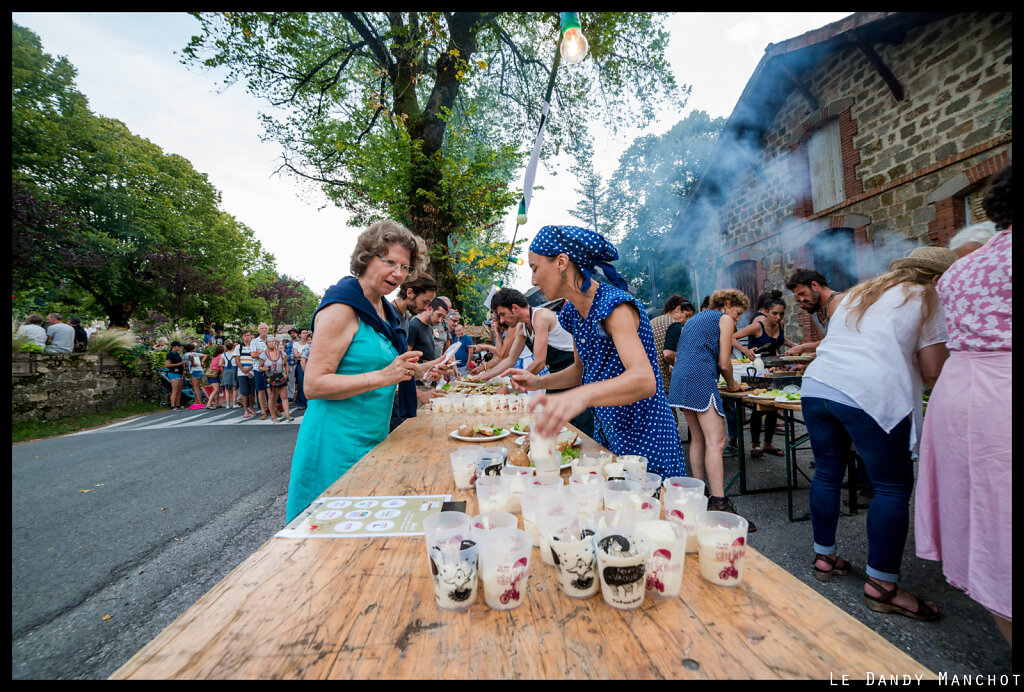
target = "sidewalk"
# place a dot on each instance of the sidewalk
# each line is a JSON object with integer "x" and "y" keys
{"x": 964, "y": 641}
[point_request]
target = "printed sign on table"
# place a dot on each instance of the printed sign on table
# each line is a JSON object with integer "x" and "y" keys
{"x": 364, "y": 517}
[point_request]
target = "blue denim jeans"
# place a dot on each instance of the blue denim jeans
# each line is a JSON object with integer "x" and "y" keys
{"x": 729, "y": 409}
{"x": 832, "y": 428}
{"x": 300, "y": 376}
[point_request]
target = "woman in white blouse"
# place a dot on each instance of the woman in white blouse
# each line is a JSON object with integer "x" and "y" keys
{"x": 886, "y": 340}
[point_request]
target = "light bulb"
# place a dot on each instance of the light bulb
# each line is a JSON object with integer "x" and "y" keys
{"x": 574, "y": 46}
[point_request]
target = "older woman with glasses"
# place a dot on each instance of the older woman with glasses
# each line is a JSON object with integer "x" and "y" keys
{"x": 357, "y": 358}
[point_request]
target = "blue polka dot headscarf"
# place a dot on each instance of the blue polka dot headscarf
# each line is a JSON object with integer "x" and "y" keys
{"x": 587, "y": 249}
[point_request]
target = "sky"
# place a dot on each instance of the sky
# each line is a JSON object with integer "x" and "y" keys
{"x": 129, "y": 68}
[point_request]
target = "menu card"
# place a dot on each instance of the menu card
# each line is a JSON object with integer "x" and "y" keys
{"x": 364, "y": 517}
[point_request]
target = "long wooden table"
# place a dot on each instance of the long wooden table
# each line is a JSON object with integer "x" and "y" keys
{"x": 359, "y": 608}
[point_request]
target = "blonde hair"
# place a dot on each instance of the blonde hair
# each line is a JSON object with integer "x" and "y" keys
{"x": 865, "y": 294}
{"x": 735, "y": 298}
{"x": 379, "y": 237}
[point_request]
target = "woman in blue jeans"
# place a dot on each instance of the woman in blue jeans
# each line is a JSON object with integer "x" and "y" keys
{"x": 886, "y": 339}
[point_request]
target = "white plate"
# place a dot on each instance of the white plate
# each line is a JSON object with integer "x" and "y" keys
{"x": 516, "y": 432}
{"x": 457, "y": 436}
{"x": 784, "y": 400}
{"x": 770, "y": 397}
{"x": 565, "y": 464}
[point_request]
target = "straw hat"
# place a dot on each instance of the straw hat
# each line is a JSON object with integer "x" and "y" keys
{"x": 936, "y": 259}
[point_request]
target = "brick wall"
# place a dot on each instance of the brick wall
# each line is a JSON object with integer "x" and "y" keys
{"x": 48, "y": 387}
{"x": 895, "y": 153}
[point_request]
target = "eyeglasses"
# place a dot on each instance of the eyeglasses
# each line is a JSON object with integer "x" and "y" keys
{"x": 392, "y": 264}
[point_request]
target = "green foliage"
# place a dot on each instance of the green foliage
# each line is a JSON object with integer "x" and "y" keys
{"x": 421, "y": 116}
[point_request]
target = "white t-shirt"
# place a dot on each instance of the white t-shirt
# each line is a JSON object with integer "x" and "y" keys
{"x": 34, "y": 333}
{"x": 876, "y": 366}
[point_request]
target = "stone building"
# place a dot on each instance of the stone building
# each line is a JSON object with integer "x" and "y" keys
{"x": 851, "y": 145}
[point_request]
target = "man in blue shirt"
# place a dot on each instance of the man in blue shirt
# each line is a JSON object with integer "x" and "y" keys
{"x": 465, "y": 353}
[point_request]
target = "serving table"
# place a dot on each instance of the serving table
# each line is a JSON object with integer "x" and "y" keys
{"x": 358, "y": 608}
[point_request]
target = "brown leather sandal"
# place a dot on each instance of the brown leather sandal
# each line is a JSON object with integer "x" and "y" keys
{"x": 756, "y": 451}
{"x": 884, "y": 604}
{"x": 839, "y": 566}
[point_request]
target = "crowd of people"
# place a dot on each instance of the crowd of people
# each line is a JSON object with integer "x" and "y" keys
{"x": 600, "y": 363}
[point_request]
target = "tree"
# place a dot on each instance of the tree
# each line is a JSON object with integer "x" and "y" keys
{"x": 103, "y": 217}
{"x": 288, "y": 300}
{"x": 592, "y": 206}
{"x": 369, "y": 100}
{"x": 646, "y": 192}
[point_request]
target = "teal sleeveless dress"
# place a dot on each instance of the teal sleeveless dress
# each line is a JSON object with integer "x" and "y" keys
{"x": 335, "y": 434}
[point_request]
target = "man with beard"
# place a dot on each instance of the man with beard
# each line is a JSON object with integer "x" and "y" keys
{"x": 413, "y": 298}
{"x": 812, "y": 294}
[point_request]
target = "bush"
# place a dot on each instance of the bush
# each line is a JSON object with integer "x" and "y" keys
{"x": 113, "y": 341}
{"x": 29, "y": 347}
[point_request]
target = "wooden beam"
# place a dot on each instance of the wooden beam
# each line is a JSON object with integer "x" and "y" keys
{"x": 800, "y": 87}
{"x": 876, "y": 61}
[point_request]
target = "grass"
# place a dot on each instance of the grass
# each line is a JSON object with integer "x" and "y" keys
{"x": 37, "y": 429}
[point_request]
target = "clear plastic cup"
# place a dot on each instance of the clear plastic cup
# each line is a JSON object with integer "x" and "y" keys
{"x": 464, "y": 467}
{"x": 634, "y": 464}
{"x": 614, "y": 471}
{"x": 685, "y": 505}
{"x": 492, "y": 493}
{"x": 454, "y": 571}
{"x": 544, "y": 454}
{"x": 622, "y": 565}
{"x": 686, "y": 482}
{"x": 650, "y": 510}
{"x": 625, "y": 495}
{"x": 490, "y": 463}
{"x": 650, "y": 483}
{"x": 491, "y": 520}
{"x": 587, "y": 490}
{"x": 722, "y": 541}
{"x": 573, "y": 552}
{"x": 666, "y": 558}
{"x": 504, "y": 567}
{"x": 554, "y": 517}
{"x": 445, "y": 530}
{"x": 538, "y": 490}
{"x": 518, "y": 477}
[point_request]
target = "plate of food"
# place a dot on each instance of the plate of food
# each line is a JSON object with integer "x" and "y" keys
{"x": 481, "y": 432}
{"x": 797, "y": 359}
{"x": 787, "y": 397}
{"x": 767, "y": 394}
{"x": 522, "y": 427}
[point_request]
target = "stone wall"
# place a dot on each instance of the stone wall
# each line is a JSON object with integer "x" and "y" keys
{"x": 907, "y": 163}
{"x": 48, "y": 387}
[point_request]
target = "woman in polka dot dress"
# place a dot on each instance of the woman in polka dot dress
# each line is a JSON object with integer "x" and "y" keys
{"x": 704, "y": 350}
{"x": 615, "y": 361}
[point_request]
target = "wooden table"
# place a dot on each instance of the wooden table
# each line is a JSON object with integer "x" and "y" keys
{"x": 360, "y": 608}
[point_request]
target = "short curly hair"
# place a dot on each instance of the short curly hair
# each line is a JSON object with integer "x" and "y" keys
{"x": 998, "y": 200}
{"x": 379, "y": 237}
{"x": 733, "y": 296}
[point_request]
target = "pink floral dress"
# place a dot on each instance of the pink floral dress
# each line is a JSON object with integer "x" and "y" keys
{"x": 964, "y": 505}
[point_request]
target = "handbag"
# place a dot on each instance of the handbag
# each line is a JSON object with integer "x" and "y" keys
{"x": 277, "y": 379}
{"x": 213, "y": 372}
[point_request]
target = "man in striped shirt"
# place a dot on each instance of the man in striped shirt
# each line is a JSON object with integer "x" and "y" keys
{"x": 257, "y": 346}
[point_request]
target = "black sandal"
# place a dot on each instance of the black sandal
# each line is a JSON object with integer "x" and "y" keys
{"x": 838, "y": 565}
{"x": 775, "y": 452}
{"x": 756, "y": 451}
{"x": 884, "y": 604}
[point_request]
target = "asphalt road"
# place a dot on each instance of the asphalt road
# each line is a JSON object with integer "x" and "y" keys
{"x": 175, "y": 501}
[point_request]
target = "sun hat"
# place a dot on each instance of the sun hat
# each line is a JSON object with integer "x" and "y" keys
{"x": 936, "y": 259}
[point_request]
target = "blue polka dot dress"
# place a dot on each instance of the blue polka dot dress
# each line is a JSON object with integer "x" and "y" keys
{"x": 694, "y": 384}
{"x": 646, "y": 427}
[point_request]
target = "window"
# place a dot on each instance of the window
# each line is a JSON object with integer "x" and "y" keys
{"x": 825, "y": 156}
{"x": 834, "y": 256}
{"x": 973, "y": 211}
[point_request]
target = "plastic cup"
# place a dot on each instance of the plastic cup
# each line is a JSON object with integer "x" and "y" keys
{"x": 554, "y": 517}
{"x": 650, "y": 510}
{"x": 686, "y": 482}
{"x": 622, "y": 495}
{"x": 518, "y": 477}
{"x": 490, "y": 461}
{"x": 544, "y": 454}
{"x": 454, "y": 570}
{"x": 650, "y": 483}
{"x": 539, "y": 489}
{"x": 685, "y": 506}
{"x": 634, "y": 464}
{"x": 575, "y": 560}
{"x": 464, "y": 463}
{"x": 722, "y": 541}
{"x": 492, "y": 493}
{"x": 491, "y": 520}
{"x": 587, "y": 490}
{"x": 614, "y": 471}
{"x": 622, "y": 565}
{"x": 445, "y": 530}
{"x": 504, "y": 567}
{"x": 666, "y": 558}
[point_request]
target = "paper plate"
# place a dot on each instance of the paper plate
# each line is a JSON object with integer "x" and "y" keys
{"x": 457, "y": 436}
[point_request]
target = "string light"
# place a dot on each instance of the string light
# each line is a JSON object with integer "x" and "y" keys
{"x": 574, "y": 46}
